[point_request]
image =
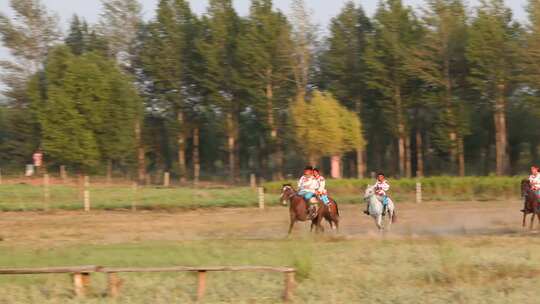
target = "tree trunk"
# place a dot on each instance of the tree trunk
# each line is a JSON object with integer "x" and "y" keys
{"x": 501, "y": 141}
{"x": 335, "y": 164}
{"x": 461, "y": 156}
{"x": 231, "y": 144}
{"x": 408, "y": 156}
{"x": 402, "y": 150}
{"x": 196, "y": 160}
{"x": 141, "y": 167}
{"x": 360, "y": 159}
{"x": 275, "y": 146}
{"x": 109, "y": 171}
{"x": 360, "y": 163}
{"x": 453, "y": 152}
{"x": 419, "y": 154}
{"x": 181, "y": 139}
{"x": 312, "y": 160}
{"x": 452, "y": 134}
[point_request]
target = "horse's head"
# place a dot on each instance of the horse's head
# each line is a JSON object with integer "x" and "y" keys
{"x": 525, "y": 186}
{"x": 370, "y": 191}
{"x": 287, "y": 191}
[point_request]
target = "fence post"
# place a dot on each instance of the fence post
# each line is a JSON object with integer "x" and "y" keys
{"x": 135, "y": 188}
{"x": 166, "y": 179}
{"x": 63, "y": 173}
{"x": 289, "y": 286}
{"x": 261, "y": 197}
{"x": 114, "y": 284}
{"x": 253, "y": 180}
{"x": 201, "y": 287}
{"x": 418, "y": 192}
{"x": 86, "y": 193}
{"x": 81, "y": 281}
{"x": 46, "y": 192}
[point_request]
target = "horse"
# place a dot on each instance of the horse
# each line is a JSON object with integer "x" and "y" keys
{"x": 375, "y": 208}
{"x": 531, "y": 202}
{"x": 299, "y": 210}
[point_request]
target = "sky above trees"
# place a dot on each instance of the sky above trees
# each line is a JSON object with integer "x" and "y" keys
{"x": 323, "y": 10}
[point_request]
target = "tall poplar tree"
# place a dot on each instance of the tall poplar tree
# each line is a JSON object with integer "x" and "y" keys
{"x": 221, "y": 78}
{"x": 168, "y": 60}
{"x": 264, "y": 52}
{"x": 440, "y": 62}
{"x": 343, "y": 63}
{"x": 27, "y": 36}
{"x": 493, "y": 56}
{"x": 396, "y": 31}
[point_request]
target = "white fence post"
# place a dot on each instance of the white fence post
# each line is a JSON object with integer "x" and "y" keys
{"x": 261, "y": 197}
{"x": 135, "y": 188}
{"x": 166, "y": 179}
{"x": 253, "y": 180}
{"x": 86, "y": 193}
{"x": 418, "y": 192}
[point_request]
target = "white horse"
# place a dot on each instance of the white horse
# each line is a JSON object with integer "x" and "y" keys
{"x": 375, "y": 208}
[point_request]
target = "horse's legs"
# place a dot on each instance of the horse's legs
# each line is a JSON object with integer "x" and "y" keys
{"x": 390, "y": 218}
{"x": 318, "y": 221}
{"x": 291, "y": 225}
{"x": 378, "y": 220}
{"x": 532, "y": 221}
{"x": 524, "y": 218}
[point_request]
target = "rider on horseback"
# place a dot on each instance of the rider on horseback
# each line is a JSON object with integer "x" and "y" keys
{"x": 381, "y": 186}
{"x": 534, "y": 181}
{"x": 307, "y": 188}
{"x": 322, "y": 193}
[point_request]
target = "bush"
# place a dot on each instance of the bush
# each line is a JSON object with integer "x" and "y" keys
{"x": 433, "y": 188}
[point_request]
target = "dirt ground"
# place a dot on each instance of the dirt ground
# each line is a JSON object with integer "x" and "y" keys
{"x": 109, "y": 227}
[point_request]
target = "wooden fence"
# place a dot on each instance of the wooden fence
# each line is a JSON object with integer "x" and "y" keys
{"x": 81, "y": 275}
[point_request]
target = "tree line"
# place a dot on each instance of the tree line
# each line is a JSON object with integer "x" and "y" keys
{"x": 447, "y": 89}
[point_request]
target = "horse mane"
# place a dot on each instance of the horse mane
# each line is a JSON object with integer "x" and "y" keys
{"x": 288, "y": 185}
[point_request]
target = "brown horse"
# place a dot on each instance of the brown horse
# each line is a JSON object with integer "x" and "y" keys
{"x": 299, "y": 210}
{"x": 531, "y": 202}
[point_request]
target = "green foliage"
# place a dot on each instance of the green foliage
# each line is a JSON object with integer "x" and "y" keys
{"x": 397, "y": 30}
{"x": 323, "y": 127}
{"x": 86, "y": 109}
{"x": 343, "y": 63}
{"x": 492, "y": 49}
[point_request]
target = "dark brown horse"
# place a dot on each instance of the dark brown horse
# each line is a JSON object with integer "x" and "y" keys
{"x": 299, "y": 210}
{"x": 531, "y": 202}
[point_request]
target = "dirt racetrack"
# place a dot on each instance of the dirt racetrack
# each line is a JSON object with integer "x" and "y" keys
{"x": 427, "y": 219}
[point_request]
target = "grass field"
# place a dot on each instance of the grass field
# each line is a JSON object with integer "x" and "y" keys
{"x": 30, "y": 196}
{"x": 428, "y": 270}
{"x": 21, "y": 197}
{"x": 441, "y": 252}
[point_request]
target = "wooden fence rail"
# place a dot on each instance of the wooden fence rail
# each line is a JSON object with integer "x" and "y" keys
{"x": 81, "y": 275}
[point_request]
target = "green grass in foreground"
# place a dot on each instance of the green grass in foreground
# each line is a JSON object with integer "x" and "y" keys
{"x": 476, "y": 270}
